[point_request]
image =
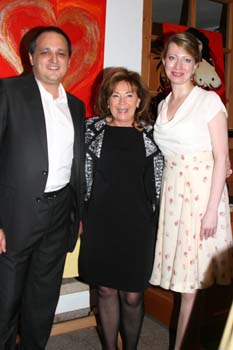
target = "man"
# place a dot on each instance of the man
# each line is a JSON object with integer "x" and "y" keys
{"x": 41, "y": 189}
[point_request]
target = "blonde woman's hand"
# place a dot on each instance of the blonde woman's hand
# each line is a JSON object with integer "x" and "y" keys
{"x": 209, "y": 224}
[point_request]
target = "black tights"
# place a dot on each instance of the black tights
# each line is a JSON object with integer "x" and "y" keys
{"x": 119, "y": 310}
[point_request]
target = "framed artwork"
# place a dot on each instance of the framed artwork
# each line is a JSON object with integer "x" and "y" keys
{"x": 83, "y": 21}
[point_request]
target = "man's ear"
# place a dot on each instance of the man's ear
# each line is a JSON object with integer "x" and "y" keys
{"x": 31, "y": 59}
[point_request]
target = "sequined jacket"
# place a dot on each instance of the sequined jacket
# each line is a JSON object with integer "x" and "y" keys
{"x": 95, "y": 129}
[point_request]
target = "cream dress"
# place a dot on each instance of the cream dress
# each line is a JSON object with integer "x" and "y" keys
{"x": 183, "y": 262}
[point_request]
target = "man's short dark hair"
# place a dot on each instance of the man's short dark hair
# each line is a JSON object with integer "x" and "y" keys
{"x": 41, "y": 30}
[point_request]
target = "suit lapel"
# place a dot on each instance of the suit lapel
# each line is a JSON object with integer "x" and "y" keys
{"x": 33, "y": 99}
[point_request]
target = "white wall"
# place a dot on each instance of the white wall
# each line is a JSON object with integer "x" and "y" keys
{"x": 123, "y": 34}
{"x": 123, "y": 47}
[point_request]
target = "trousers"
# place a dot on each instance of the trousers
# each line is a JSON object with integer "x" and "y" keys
{"x": 30, "y": 279}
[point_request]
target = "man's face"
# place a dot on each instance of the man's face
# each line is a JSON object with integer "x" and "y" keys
{"x": 50, "y": 60}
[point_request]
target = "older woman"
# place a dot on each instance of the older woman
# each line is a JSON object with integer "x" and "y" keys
{"x": 123, "y": 174}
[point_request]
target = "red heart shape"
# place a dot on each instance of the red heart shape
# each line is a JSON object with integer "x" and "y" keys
{"x": 18, "y": 16}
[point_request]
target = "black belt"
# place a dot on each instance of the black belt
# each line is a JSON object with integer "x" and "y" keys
{"x": 54, "y": 194}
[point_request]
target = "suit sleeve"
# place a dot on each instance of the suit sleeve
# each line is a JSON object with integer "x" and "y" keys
{"x": 3, "y": 123}
{"x": 82, "y": 160}
{"x": 78, "y": 178}
{"x": 3, "y": 112}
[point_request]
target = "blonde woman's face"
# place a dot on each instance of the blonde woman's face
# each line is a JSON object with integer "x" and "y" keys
{"x": 179, "y": 64}
{"x": 123, "y": 103}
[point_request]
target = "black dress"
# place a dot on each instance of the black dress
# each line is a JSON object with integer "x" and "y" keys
{"x": 117, "y": 244}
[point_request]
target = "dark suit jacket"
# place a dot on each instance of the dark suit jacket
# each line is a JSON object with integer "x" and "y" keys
{"x": 24, "y": 158}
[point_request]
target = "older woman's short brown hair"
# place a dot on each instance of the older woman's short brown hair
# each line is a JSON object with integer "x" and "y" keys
{"x": 111, "y": 77}
{"x": 187, "y": 41}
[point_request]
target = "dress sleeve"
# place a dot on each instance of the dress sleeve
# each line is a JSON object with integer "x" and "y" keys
{"x": 214, "y": 105}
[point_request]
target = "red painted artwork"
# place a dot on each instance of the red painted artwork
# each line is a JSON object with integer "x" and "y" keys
{"x": 83, "y": 21}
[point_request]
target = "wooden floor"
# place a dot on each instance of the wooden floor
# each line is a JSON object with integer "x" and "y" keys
{"x": 73, "y": 325}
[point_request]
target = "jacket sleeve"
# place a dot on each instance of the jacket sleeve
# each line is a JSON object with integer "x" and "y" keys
{"x": 82, "y": 160}
{"x": 78, "y": 182}
{"x": 3, "y": 112}
{"x": 153, "y": 179}
{"x": 158, "y": 173}
{"x": 3, "y": 124}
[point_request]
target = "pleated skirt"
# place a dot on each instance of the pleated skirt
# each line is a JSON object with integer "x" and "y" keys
{"x": 183, "y": 262}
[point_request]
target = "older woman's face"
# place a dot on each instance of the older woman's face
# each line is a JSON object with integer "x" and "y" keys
{"x": 123, "y": 103}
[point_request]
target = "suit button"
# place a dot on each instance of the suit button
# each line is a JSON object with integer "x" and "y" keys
{"x": 44, "y": 172}
{"x": 38, "y": 199}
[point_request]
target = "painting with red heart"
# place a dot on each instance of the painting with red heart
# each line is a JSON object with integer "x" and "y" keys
{"x": 83, "y": 21}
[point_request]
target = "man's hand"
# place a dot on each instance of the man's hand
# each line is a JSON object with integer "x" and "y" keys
{"x": 229, "y": 170}
{"x": 80, "y": 230}
{"x": 2, "y": 242}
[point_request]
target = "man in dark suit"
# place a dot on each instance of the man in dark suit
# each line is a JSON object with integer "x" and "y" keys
{"x": 41, "y": 189}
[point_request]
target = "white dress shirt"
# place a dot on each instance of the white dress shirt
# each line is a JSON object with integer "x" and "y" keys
{"x": 60, "y": 138}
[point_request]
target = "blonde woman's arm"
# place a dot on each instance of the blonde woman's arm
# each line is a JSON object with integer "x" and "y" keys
{"x": 219, "y": 138}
